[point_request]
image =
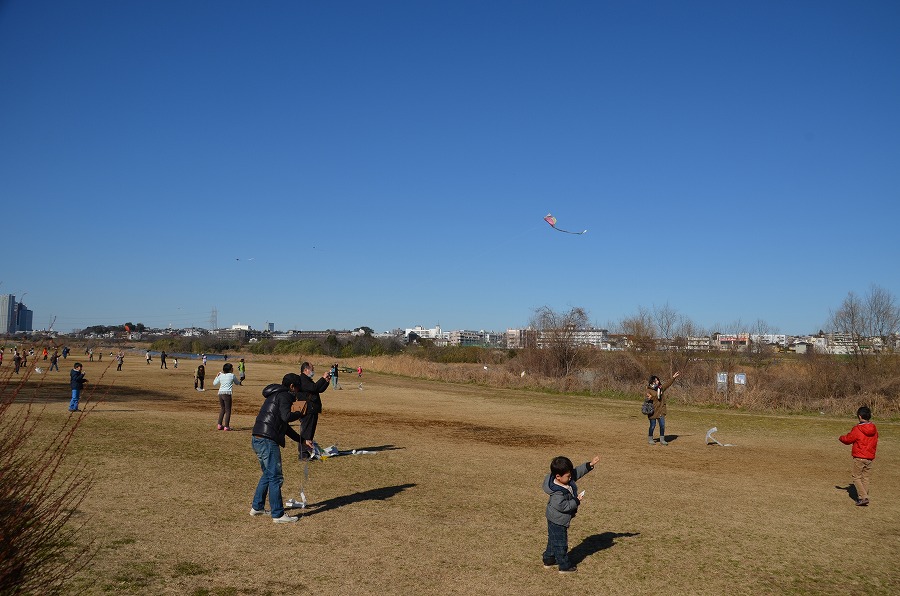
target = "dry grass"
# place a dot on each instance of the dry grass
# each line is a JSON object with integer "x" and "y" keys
{"x": 450, "y": 503}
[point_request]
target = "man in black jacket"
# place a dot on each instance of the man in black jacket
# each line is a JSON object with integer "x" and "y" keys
{"x": 272, "y": 424}
{"x": 309, "y": 392}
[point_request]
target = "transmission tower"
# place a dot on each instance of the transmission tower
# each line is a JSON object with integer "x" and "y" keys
{"x": 214, "y": 319}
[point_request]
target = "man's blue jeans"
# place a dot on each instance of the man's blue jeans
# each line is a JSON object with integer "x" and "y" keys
{"x": 662, "y": 426}
{"x": 76, "y": 396}
{"x": 269, "y": 455}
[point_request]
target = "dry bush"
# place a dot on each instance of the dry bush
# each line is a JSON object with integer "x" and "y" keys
{"x": 38, "y": 496}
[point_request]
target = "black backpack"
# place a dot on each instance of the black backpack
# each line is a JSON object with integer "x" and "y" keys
{"x": 647, "y": 408}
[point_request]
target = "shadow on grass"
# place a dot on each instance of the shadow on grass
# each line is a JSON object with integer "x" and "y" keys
{"x": 376, "y": 448}
{"x": 375, "y": 494}
{"x": 851, "y": 491}
{"x": 670, "y": 438}
{"x": 595, "y": 543}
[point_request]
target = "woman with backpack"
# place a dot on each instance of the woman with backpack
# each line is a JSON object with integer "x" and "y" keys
{"x": 655, "y": 406}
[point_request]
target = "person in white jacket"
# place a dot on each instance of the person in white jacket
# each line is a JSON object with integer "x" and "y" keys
{"x": 226, "y": 381}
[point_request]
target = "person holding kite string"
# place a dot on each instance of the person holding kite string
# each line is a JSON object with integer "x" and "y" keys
{"x": 271, "y": 426}
{"x": 656, "y": 393}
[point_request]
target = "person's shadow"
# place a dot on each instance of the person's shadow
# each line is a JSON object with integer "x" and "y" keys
{"x": 596, "y": 543}
{"x": 375, "y": 494}
{"x": 670, "y": 438}
{"x": 851, "y": 491}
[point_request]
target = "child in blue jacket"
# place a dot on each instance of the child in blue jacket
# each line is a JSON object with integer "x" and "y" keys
{"x": 562, "y": 506}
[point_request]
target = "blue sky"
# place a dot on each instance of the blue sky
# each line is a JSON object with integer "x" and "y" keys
{"x": 389, "y": 163}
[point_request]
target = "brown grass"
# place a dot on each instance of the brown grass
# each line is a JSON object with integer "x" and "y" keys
{"x": 450, "y": 502}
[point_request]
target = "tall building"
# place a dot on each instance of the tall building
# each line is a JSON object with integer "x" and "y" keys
{"x": 24, "y": 318}
{"x": 7, "y": 314}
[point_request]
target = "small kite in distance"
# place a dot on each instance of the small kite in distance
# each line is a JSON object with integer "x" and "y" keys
{"x": 250, "y": 259}
{"x": 552, "y": 221}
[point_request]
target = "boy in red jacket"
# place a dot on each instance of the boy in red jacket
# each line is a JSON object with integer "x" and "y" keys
{"x": 864, "y": 438}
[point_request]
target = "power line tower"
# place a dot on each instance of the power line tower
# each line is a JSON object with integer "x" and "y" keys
{"x": 214, "y": 319}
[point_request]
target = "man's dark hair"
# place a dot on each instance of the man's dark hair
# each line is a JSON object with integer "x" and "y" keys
{"x": 304, "y": 366}
{"x": 651, "y": 380}
{"x": 864, "y": 412}
{"x": 291, "y": 379}
{"x": 560, "y": 465}
{"x": 227, "y": 368}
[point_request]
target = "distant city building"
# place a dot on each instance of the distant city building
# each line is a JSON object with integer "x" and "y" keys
{"x": 434, "y": 334}
{"x": 7, "y": 314}
{"x": 24, "y": 317}
{"x": 517, "y": 339}
{"x": 270, "y": 327}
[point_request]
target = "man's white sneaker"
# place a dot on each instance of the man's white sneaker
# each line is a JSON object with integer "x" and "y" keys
{"x": 285, "y": 519}
{"x": 255, "y": 512}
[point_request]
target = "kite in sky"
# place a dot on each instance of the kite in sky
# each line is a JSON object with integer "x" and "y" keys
{"x": 552, "y": 221}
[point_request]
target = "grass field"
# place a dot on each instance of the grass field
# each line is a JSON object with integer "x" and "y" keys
{"x": 450, "y": 501}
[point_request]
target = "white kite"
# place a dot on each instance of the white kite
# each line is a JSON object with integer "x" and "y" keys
{"x": 711, "y": 440}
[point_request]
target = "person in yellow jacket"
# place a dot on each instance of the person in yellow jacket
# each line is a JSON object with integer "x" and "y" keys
{"x": 656, "y": 392}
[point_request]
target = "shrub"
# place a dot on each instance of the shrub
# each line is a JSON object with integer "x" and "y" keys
{"x": 38, "y": 496}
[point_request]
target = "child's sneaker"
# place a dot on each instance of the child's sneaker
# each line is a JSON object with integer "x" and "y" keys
{"x": 226, "y": 428}
{"x": 218, "y": 427}
{"x": 862, "y": 503}
{"x": 255, "y": 512}
{"x": 549, "y": 564}
{"x": 285, "y": 519}
{"x": 572, "y": 569}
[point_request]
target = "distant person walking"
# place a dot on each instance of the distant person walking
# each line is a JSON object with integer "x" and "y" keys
{"x": 17, "y": 361}
{"x": 120, "y": 359}
{"x": 242, "y": 371}
{"x": 77, "y": 379}
{"x": 149, "y": 358}
{"x": 656, "y": 393}
{"x": 175, "y": 363}
{"x": 199, "y": 375}
{"x": 1, "y": 356}
{"x": 334, "y": 375}
{"x": 65, "y": 352}
{"x": 226, "y": 380}
{"x": 54, "y": 361}
{"x": 90, "y": 354}
{"x": 162, "y": 360}
{"x": 864, "y": 438}
{"x": 203, "y": 358}
{"x": 359, "y": 372}
{"x": 44, "y": 353}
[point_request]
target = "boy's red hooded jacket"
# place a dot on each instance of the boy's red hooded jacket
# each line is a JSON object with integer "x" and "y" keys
{"x": 864, "y": 438}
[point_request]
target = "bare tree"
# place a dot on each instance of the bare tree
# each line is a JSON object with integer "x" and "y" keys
{"x": 665, "y": 319}
{"x": 882, "y": 314}
{"x": 849, "y": 320}
{"x": 639, "y": 328}
{"x": 760, "y": 348}
{"x": 557, "y": 337}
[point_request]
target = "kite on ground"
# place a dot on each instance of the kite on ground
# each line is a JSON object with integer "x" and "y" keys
{"x": 552, "y": 221}
{"x": 711, "y": 440}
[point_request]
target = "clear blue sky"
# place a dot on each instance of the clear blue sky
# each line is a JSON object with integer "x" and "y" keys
{"x": 389, "y": 163}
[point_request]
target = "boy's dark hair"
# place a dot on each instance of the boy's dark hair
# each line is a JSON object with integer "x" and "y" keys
{"x": 650, "y": 381}
{"x": 560, "y": 465}
{"x": 864, "y": 412}
{"x": 227, "y": 367}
